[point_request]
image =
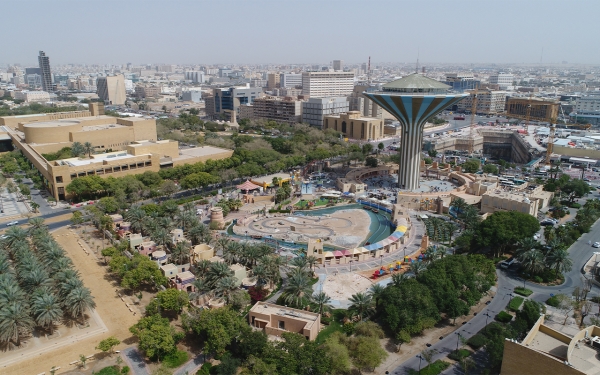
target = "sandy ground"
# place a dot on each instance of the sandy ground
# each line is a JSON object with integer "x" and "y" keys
{"x": 112, "y": 310}
{"x": 343, "y": 286}
{"x": 345, "y": 228}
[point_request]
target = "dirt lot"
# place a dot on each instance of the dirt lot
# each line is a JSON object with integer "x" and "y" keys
{"x": 112, "y": 310}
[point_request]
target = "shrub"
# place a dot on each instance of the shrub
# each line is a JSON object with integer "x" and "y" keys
{"x": 175, "y": 359}
{"x": 523, "y": 291}
{"x": 459, "y": 355}
{"x": 433, "y": 369}
{"x": 538, "y": 279}
{"x": 553, "y": 301}
{"x": 125, "y": 370}
{"x": 257, "y": 293}
{"x": 205, "y": 369}
{"x": 515, "y": 303}
{"x": 477, "y": 341}
{"x": 575, "y": 205}
{"x": 503, "y": 317}
{"x": 111, "y": 370}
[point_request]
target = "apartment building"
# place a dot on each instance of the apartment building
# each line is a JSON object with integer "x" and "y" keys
{"x": 489, "y": 102}
{"x": 45, "y": 72}
{"x": 327, "y": 84}
{"x": 195, "y": 76}
{"x": 354, "y": 126}
{"x": 273, "y": 80}
{"x": 143, "y": 92}
{"x": 111, "y": 89}
{"x": 279, "y": 109}
{"x": 314, "y": 110}
{"x": 503, "y": 80}
{"x": 338, "y": 65}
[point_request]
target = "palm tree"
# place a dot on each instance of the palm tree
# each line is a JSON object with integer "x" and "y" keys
{"x": 170, "y": 208}
{"x": 559, "y": 260}
{"x": 79, "y": 300}
{"x": 459, "y": 205}
{"x": 261, "y": 273}
{"x": 180, "y": 253}
{"x": 201, "y": 268}
{"x": 376, "y": 290}
{"x": 88, "y": 149}
{"x": 222, "y": 242}
{"x": 77, "y": 149}
{"x": 297, "y": 289}
{"x": 299, "y": 262}
{"x": 66, "y": 287}
{"x": 34, "y": 278}
{"x": 10, "y": 292}
{"x": 216, "y": 272}
{"x": 199, "y": 234}
{"x": 162, "y": 238}
{"x": 532, "y": 261}
{"x": 321, "y": 299}
{"x": 312, "y": 262}
{"x": 200, "y": 287}
{"x": 362, "y": 305}
{"x": 226, "y": 286}
{"x": 525, "y": 245}
{"x": 185, "y": 219}
{"x": 46, "y": 310}
{"x": 231, "y": 251}
{"x": 136, "y": 216}
{"x": 417, "y": 268}
{"x": 15, "y": 322}
{"x": 14, "y": 234}
{"x": 36, "y": 223}
{"x": 399, "y": 278}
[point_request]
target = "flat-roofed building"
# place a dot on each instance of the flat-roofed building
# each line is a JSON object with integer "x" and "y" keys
{"x": 314, "y": 110}
{"x": 32, "y": 96}
{"x": 325, "y": 84}
{"x": 276, "y": 319}
{"x": 290, "y": 80}
{"x": 147, "y": 91}
{"x": 500, "y": 200}
{"x": 354, "y": 126}
{"x": 285, "y": 109}
{"x": 545, "y": 110}
{"x": 489, "y": 102}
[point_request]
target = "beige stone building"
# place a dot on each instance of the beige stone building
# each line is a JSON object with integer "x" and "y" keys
{"x": 527, "y": 199}
{"x": 354, "y": 126}
{"x": 122, "y": 146}
{"x": 276, "y": 319}
{"x": 279, "y": 109}
{"x": 111, "y": 89}
{"x": 547, "y": 351}
{"x": 489, "y": 102}
{"x": 143, "y": 92}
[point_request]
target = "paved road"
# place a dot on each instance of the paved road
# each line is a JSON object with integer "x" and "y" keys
{"x": 191, "y": 366}
{"x": 135, "y": 360}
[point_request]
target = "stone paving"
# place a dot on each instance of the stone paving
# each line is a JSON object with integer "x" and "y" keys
{"x": 11, "y": 204}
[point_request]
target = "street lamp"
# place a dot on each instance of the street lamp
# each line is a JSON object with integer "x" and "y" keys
{"x": 351, "y": 265}
{"x": 486, "y": 320}
{"x": 457, "y": 339}
{"x": 404, "y": 255}
{"x": 420, "y": 359}
{"x": 381, "y": 260}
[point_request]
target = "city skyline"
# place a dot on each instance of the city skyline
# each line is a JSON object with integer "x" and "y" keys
{"x": 183, "y": 32}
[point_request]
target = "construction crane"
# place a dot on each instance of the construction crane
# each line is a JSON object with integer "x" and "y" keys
{"x": 472, "y": 126}
{"x": 528, "y": 114}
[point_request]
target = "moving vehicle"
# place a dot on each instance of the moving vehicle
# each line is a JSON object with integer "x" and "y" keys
{"x": 459, "y": 117}
{"x": 12, "y": 223}
{"x": 507, "y": 263}
{"x": 596, "y": 244}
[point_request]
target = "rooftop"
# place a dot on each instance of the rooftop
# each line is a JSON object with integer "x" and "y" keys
{"x": 271, "y": 309}
{"x": 416, "y": 83}
{"x": 196, "y": 152}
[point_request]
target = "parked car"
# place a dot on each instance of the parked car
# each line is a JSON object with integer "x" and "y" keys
{"x": 596, "y": 244}
{"x": 507, "y": 263}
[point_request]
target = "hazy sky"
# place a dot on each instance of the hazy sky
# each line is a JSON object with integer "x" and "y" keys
{"x": 287, "y": 31}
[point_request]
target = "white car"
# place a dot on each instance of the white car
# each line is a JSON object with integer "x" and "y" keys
{"x": 3, "y": 237}
{"x": 596, "y": 244}
{"x": 12, "y": 223}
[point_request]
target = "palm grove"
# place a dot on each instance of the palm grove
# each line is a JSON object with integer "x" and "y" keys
{"x": 38, "y": 285}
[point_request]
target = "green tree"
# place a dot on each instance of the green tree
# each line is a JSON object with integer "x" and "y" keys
{"x": 217, "y": 328}
{"x": 88, "y": 148}
{"x": 338, "y": 354}
{"x": 490, "y": 168}
{"x": 297, "y": 290}
{"x": 47, "y": 310}
{"x": 77, "y": 218}
{"x": 367, "y": 353}
{"x": 15, "y": 322}
{"x": 471, "y": 165}
{"x": 432, "y": 152}
{"x": 108, "y": 344}
{"x": 576, "y": 189}
{"x": 77, "y": 149}
{"x": 78, "y": 301}
{"x": 108, "y": 205}
{"x": 371, "y": 162}
{"x": 503, "y": 229}
{"x": 156, "y": 336}
{"x": 173, "y": 299}
{"x": 361, "y": 305}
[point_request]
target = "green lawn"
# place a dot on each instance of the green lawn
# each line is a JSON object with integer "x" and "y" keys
{"x": 523, "y": 291}
{"x": 336, "y": 325}
{"x": 515, "y": 303}
{"x": 433, "y": 369}
{"x": 176, "y": 359}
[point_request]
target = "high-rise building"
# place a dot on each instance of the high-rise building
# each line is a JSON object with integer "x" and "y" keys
{"x": 273, "y": 80}
{"x": 489, "y": 102}
{"x": 111, "y": 89}
{"x": 44, "y": 63}
{"x": 315, "y": 109}
{"x": 227, "y": 100}
{"x": 327, "y": 84}
{"x": 290, "y": 80}
{"x": 338, "y": 65}
{"x": 412, "y": 100}
{"x": 195, "y": 76}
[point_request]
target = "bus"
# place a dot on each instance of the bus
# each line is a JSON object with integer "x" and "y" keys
{"x": 507, "y": 183}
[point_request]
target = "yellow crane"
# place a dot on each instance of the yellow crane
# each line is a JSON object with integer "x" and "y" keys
{"x": 528, "y": 114}
{"x": 550, "y": 144}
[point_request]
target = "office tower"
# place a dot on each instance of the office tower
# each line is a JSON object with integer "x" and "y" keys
{"x": 326, "y": 84}
{"x": 412, "y": 100}
{"x": 228, "y": 100}
{"x": 290, "y": 80}
{"x": 503, "y": 80}
{"x": 111, "y": 89}
{"x": 338, "y": 65}
{"x": 44, "y": 63}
